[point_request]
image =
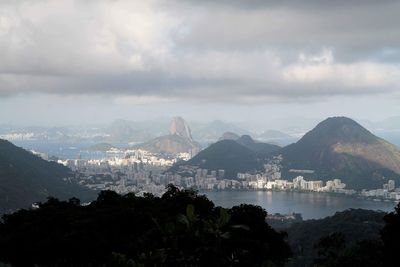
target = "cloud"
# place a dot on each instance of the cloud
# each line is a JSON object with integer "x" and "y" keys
{"x": 161, "y": 51}
{"x": 321, "y": 68}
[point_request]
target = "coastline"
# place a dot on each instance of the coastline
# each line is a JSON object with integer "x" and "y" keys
{"x": 354, "y": 196}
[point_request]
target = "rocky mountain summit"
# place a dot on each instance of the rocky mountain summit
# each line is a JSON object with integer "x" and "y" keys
{"x": 179, "y": 127}
{"x": 178, "y": 141}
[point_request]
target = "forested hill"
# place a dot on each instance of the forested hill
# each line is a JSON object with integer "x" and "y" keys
{"x": 26, "y": 178}
{"x": 339, "y": 147}
{"x": 227, "y": 155}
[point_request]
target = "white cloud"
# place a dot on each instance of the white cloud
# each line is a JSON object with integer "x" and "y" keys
{"x": 83, "y": 37}
{"x": 151, "y": 51}
{"x": 325, "y": 57}
{"x": 321, "y": 69}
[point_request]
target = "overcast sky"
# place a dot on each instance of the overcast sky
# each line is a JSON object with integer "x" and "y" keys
{"x": 71, "y": 62}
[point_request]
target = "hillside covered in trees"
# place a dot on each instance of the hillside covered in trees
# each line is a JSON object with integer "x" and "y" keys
{"x": 26, "y": 178}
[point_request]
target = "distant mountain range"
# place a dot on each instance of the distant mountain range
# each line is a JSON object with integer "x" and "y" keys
{"x": 276, "y": 137}
{"x": 26, "y": 178}
{"x": 210, "y": 132}
{"x": 229, "y": 136}
{"x": 338, "y": 147}
{"x": 273, "y": 134}
{"x": 259, "y": 148}
{"x": 128, "y": 131}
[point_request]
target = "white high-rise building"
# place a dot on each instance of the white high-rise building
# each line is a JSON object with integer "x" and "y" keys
{"x": 391, "y": 185}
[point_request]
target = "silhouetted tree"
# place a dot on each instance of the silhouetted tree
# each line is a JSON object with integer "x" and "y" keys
{"x": 391, "y": 237}
{"x": 181, "y": 228}
{"x": 333, "y": 252}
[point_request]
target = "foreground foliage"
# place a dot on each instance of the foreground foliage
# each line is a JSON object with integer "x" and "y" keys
{"x": 353, "y": 225}
{"x": 340, "y": 249}
{"x": 181, "y": 228}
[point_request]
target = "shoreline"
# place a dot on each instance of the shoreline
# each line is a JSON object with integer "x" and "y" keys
{"x": 353, "y": 196}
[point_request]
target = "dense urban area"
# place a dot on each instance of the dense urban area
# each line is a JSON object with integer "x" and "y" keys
{"x": 141, "y": 171}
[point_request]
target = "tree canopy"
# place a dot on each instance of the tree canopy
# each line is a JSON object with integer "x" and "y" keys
{"x": 181, "y": 228}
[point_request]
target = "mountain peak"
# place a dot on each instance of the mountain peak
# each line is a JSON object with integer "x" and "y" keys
{"x": 227, "y": 155}
{"x": 229, "y": 136}
{"x": 339, "y": 121}
{"x": 339, "y": 147}
{"x": 245, "y": 139}
{"x": 340, "y": 129}
{"x": 179, "y": 127}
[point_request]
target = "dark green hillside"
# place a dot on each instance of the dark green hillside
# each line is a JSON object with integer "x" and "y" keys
{"x": 227, "y": 155}
{"x": 341, "y": 148}
{"x": 315, "y": 147}
{"x": 26, "y": 178}
{"x": 355, "y": 225}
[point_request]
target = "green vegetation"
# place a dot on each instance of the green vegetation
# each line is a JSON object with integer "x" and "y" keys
{"x": 354, "y": 225}
{"x": 26, "y": 178}
{"x": 334, "y": 250}
{"x": 347, "y": 239}
{"x": 181, "y": 228}
{"x": 336, "y": 148}
{"x": 227, "y": 155}
{"x": 341, "y": 148}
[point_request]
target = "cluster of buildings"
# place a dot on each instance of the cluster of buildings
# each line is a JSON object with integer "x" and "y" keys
{"x": 389, "y": 191}
{"x": 140, "y": 171}
{"x": 126, "y": 158}
{"x": 271, "y": 179}
{"x": 17, "y": 136}
{"x": 125, "y": 171}
{"x": 298, "y": 183}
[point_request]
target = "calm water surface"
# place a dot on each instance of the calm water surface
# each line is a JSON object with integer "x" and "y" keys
{"x": 310, "y": 205}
